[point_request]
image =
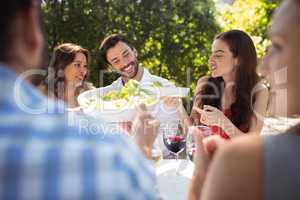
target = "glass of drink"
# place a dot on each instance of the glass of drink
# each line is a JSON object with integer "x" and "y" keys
{"x": 174, "y": 139}
{"x": 190, "y": 141}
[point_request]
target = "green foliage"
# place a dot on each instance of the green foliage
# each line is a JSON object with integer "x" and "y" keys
{"x": 173, "y": 37}
{"x": 251, "y": 16}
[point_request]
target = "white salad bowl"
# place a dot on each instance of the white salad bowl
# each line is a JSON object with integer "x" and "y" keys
{"x": 106, "y": 111}
{"x": 109, "y": 113}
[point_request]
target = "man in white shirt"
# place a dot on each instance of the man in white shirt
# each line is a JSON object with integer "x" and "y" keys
{"x": 119, "y": 55}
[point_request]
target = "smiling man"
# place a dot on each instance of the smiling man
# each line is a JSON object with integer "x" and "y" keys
{"x": 120, "y": 55}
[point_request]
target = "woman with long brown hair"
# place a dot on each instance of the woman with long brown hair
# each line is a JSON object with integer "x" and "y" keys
{"x": 232, "y": 101}
{"x": 67, "y": 73}
{"x": 259, "y": 167}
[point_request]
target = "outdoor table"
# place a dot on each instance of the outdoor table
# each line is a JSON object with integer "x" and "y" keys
{"x": 173, "y": 185}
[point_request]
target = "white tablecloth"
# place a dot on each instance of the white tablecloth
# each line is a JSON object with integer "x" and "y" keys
{"x": 172, "y": 185}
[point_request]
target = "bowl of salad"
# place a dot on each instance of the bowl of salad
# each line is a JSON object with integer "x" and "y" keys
{"x": 117, "y": 105}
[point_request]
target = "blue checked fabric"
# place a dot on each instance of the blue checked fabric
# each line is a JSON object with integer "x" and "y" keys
{"x": 41, "y": 157}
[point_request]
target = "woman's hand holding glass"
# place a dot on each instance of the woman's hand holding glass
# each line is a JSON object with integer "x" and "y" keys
{"x": 211, "y": 116}
{"x": 206, "y": 147}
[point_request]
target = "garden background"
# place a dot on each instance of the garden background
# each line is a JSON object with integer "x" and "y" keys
{"x": 173, "y": 37}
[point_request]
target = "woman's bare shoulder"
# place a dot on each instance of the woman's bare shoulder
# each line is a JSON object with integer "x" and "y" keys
{"x": 261, "y": 86}
{"x": 262, "y": 92}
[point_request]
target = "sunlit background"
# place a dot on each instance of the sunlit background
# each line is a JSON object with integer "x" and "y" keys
{"x": 173, "y": 37}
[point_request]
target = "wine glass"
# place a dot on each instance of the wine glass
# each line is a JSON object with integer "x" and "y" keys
{"x": 190, "y": 143}
{"x": 174, "y": 139}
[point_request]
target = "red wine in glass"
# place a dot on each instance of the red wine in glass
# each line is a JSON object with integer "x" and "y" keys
{"x": 174, "y": 143}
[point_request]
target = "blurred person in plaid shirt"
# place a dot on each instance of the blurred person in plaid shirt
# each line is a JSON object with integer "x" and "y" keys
{"x": 41, "y": 157}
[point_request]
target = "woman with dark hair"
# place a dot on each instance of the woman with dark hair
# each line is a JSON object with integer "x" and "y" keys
{"x": 231, "y": 101}
{"x": 67, "y": 73}
{"x": 259, "y": 167}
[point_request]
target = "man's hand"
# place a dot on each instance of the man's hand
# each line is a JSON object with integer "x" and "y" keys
{"x": 173, "y": 102}
{"x": 144, "y": 130}
{"x": 206, "y": 147}
{"x": 212, "y": 143}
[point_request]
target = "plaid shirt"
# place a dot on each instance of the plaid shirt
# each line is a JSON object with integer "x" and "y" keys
{"x": 41, "y": 157}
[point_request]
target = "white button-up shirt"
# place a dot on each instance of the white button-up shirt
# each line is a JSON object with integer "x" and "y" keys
{"x": 168, "y": 117}
{"x": 147, "y": 80}
{"x": 164, "y": 113}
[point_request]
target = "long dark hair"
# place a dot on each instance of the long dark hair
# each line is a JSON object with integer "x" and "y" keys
{"x": 62, "y": 56}
{"x": 242, "y": 47}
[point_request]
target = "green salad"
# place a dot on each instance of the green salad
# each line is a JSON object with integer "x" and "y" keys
{"x": 157, "y": 84}
{"x": 129, "y": 96}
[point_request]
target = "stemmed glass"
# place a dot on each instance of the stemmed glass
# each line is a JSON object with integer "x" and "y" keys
{"x": 190, "y": 145}
{"x": 174, "y": 139}
{"x": 190, "y": 141}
